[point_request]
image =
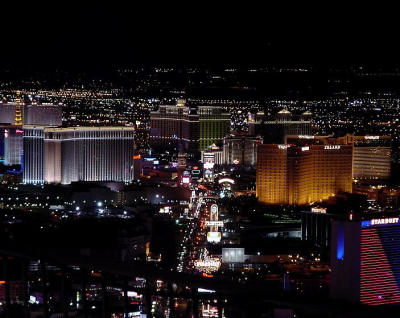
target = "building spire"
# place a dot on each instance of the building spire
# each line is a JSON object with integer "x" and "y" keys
{"x": 18, "y": 112}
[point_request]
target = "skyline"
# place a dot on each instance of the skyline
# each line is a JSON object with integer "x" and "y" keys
{"x": 215, "y": 160}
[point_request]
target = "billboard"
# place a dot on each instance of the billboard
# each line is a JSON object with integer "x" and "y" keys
{"x": 233, "y": 255}
{"x": 214, "y": 237}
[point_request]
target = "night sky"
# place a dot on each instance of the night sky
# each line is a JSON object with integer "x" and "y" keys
{"x": 104, "y": 35}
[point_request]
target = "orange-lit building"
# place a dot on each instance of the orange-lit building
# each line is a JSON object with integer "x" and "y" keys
{"x": 301, "y": 174}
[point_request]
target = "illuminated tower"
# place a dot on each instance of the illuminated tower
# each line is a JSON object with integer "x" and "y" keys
{"x": 214, "y": 235}
{"x": 18, "y": 112}
{"x": 298, "y": 175}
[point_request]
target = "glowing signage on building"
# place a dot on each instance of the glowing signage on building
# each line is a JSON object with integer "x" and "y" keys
{"x": 233, "y": 255}
{"x": 208, "y": 265}
{"x": 332, "y": 147}
{"x": 203, "y": 290}
{"x": 371, "y": 137}
{"x": 383, "y": 221}
{"x": 283, "y": 146}
{"x": 318, "y": 210}
{"x": 228, "y": 180}
{"x": 213, "y": 237}
{"x": 214, "y": 223}
{"x": 208, "y": 165}
{"x": 166, "y": 209}
{"x": 305, "y": 148}
{"x": 305, "y": 137}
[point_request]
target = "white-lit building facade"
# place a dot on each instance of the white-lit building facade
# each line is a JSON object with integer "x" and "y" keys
{"x": 65, "y": 155}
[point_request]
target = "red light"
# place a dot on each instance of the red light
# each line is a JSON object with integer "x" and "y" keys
{"x": 378, "y": 283}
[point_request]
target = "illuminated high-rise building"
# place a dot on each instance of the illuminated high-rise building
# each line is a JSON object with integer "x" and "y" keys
{"x": 65, "y": 155}
{"x": 372, "y": 157}
{"x": 295, "y": 174}
{"x": 188, "y": 128}
{"x": 274, "y": 130}
{"x": 18, "y": 113}
{"x": 214, "y": 125}
{"x": 365, "y": 261}
{"x": 241, "y": 149}
{"x": 34, "y": 155}
{"x": 13, "y": 148}
{"x": 272, "y": 175}
{"x": 174, "y": 126}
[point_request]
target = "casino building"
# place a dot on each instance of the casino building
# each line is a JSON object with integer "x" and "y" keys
{"x": 188, "y": 128}
{"x": 13, "y": 149}
{"x": 241, "y": 149}
{"x": 302, "y": 174}
{"x": 365, "y": 261}
{"x": 174, "y": 126}
{"x": 372, "y": 157}
{"x": 65, "y": 155}
{"x": 274, "y": 130}
{"x": 45, "y": 114}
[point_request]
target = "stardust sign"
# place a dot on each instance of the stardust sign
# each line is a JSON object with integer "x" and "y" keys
{"x": 383, "y": 221}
